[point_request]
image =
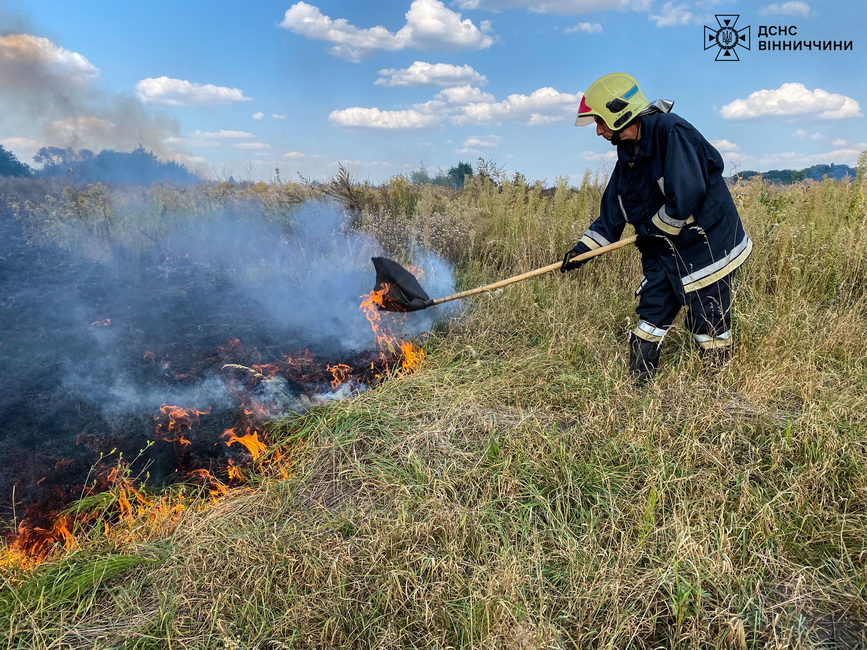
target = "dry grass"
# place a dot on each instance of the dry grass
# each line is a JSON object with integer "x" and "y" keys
{"x": 518, "y": 491}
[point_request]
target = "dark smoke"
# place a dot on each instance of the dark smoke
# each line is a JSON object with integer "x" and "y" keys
{"x": 97, "y": 334}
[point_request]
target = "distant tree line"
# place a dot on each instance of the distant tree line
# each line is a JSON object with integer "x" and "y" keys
{"x": 789, "y": 176}
{"x": 143, "y": 167}
{"x": 453, "y": 178}
{"x": 11, "y": 166}
{"x": 108, "y": 166}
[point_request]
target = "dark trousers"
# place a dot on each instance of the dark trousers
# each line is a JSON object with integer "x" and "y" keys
{"x": 709, "y": 309}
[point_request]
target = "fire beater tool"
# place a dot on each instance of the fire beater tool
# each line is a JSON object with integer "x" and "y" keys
{"x": 401, "y": 291}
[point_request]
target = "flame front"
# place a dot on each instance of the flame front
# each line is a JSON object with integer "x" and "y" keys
{"x": 390, "y": 346}
{"x": 32, "y": 545}
{"x": 135, "y": 515}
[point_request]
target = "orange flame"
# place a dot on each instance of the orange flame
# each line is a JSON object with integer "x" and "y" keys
{"x": 370, "y": 306}
{"x": 266, "y": 369}
{"x": 412, "y": 356}
{"x": 390, "y": 346}
{"x": 251, "y": 441}
{"x": 32, "y": 545}
{"x": 341, "y": 372}
{"x": 180, "y": 423}
{"x": 215, "y": 488}
{"x": 233, "y": 473}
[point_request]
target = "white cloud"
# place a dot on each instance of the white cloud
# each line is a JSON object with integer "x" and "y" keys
{"x": 192, "y": 142}
{"x": 839, "y": 142}
{"x": 178, "y": 92}
{"x": 433, "y": 107}
{"x": 672, "y": 15}
{"x": 429, "y": 26}
{"x": 799, "y": 133}
{"x": 841, "y": 156}
{"x": 563, "y": 7}
{"x": 431, "y": 74}
{"x": 293, "y": 155}
{"x": 463, "y": 105}
{"x": 587, "y": 28}
{"x": 792, "y": 100}
{"x": 211, "y": 139}
{"x": 259, "y": 115}
{"x": 786, "y": 9}
{"x": 376, "y": 119}
{"x": 781, "y": 158}
{"x": 185, "y": 159}
{"x": 484, "y": 141}
{"x": 223, "y": 135}
{"x": 253, "y": 146}
{"x": 607, "y": 157}
{"x": 278, "y": 116}
{"x": 21, "y": 51}
{"x": 23, "y": 148}
{"x": 793, "y": 160}
{"x": 725, "y": 146}
{"x": 538, "y": 119}
{"x": 544, "y": 106}
{"x": 463, "y": 95}
{"x": 816, "y": 137}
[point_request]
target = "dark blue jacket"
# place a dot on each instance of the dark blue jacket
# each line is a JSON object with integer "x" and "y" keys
{"x": 670, "y": 185}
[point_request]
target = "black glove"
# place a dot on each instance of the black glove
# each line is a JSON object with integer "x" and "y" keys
{"x": 570, "y": 265}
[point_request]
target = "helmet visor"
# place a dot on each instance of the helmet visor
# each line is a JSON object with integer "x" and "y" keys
{"x": 585, "y": 114}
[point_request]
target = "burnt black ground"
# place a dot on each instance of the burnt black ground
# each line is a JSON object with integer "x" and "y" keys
{"x": 89, "y": 350}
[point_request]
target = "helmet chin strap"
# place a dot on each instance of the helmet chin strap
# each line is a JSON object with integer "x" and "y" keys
{"x": 616, "y": 140}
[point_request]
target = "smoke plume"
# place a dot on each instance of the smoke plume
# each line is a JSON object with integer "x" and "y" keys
{"x": 51, "y": 94}
{"x": 97, "y": 333}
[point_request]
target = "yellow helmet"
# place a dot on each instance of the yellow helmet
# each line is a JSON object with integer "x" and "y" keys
{"x": 616, "y": 98}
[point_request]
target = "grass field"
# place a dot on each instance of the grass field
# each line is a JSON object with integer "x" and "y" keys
{"x": 517, "y": 490}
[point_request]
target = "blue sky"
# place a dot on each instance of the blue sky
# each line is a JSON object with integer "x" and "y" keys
{"x": 242, "y": 88}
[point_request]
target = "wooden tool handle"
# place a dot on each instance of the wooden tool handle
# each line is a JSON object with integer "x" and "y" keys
{"x": 532, "y": 274}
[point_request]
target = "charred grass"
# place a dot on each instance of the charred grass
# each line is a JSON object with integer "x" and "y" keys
{"x": 517, "y": 490}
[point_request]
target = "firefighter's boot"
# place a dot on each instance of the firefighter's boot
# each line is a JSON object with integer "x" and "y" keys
{"x": 716, "y": 351}
{"x": 643, "y": 359}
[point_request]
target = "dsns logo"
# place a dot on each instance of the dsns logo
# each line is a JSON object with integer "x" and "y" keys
{"x": 727, "y": 37}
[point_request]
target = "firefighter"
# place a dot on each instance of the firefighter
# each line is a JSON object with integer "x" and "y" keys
{"x": 668, "y": 185}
